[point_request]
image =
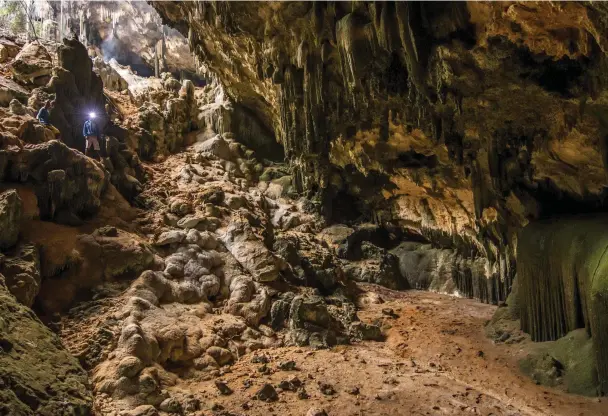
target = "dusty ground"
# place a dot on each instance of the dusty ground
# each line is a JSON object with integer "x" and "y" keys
{"x": 436, "y": 361}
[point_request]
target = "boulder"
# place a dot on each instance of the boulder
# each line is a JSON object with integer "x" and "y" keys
{"x": 170, "y": 237}
{"x": 33, "y": 64}
{"x": 11, "y": 211}
{"x": 313, "y": 322}
{"x": 379, "y": 267}
{"x": 21, "y": 268}
{"x": 104, "y": 255}
{"x": 8, "y": 50}
{"x": 251, "y": 252}
{"x": 217, "y": 146}
{"x": 10, "y": 90}
{"x": 77, "y": 188}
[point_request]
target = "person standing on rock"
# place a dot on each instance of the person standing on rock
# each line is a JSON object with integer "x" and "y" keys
{"x": 91, "y": 133}
{"x": 44, "y": 115}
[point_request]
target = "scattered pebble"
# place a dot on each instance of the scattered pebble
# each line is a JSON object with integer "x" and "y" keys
{"x": 267, "y": 393}
{"x": 222, "y": 386}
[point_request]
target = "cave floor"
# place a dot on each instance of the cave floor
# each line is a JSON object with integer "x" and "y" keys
{"x": 436, "y": 361}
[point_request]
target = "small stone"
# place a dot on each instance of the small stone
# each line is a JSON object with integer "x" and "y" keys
{"x": 267, "y": 393}
{"x": 260, "y": 359}
{"x": 170, "y": 405}
{"x": 389, "y": 312}
{"x": 188, "y": 221}
{"x": 327, "y": 389}
{"x": 266, "y": 330}
{"x": 222, "y": 386}
{"x": 170, "y": 237}
{"x": 221, "y": 355}
{"x": 192, "y": 404}
{"x": 315, "y": 411}
{"x": 287, "y": 366}
{"x": 264, "y": 369}
{"x": 130, "y": 366}
{"x": 302, "y": 394}
{"x": 354, "y": 391}
{"x": 291, "y": 384}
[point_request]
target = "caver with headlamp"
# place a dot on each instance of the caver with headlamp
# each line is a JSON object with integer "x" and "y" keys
{"x": 90, "y": 131}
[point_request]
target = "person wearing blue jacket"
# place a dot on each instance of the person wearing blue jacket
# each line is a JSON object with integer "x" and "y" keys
{"x": 44, "y": 116}
{"x": 91, "y": 133}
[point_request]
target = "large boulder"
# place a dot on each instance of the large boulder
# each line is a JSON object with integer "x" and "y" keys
{"x": 8, "y": 50}
{"x": 32, "y": 65}
{"x": 39, "y": 377}
{"x": 217, "y": 146}
{"x": 21, "y": 268}
{"x": 313, "y": 321}
{"x": 376, "y": 266}
{"x": 11, "y": 210}
{"x": 10, "y": 90}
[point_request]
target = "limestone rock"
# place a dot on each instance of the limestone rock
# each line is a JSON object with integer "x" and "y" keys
{"x": 217, "y": 146}
{"x": 10, "y": 90}
{"x": 251, "y": 252}
{"x": 10, "y": 218}
{"x": 32, "y": 361}
{"x": 33, "y": 64}
{"x": 315, "y": 411}
{"x": 21, "y": 269}
{"x": 170, "y": 237}
{"x": 77, "y": 190}
{"x": 104, "y": 255}
{"x": 267, "y": 393}
{"x": 549, "y": 267}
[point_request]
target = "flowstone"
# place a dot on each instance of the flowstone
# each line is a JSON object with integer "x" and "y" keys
{"x": 562, "y": 270}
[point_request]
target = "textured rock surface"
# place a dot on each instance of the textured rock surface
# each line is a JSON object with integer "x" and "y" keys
{"x": 445, "y": 120}
{"x": 32, "y": 64}
{"x": 563, "y": 283}
{"x": 457, "y": 124}
{"x": 39, "y": 377}
{"x": 21, "y": 270}
{"x": 10, "y": 218}
{"x": 419, "y": 138}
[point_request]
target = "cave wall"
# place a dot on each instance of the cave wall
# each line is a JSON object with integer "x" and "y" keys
{"x": 562, "y": 273}
{"x": 460, "y": 122}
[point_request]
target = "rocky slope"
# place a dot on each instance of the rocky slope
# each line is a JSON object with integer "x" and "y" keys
{"x": 216, "y": 265}
{"x": 459, "y": 123}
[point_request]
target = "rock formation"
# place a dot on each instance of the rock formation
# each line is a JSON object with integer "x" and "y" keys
{"x": 460, "y": 123}
{"x": 337, "y": 156}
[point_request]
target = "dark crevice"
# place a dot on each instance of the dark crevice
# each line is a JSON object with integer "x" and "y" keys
{"x": 412, "y": 159}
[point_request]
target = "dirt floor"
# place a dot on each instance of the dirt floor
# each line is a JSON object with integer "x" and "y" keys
{"x": 436, "y": 361}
